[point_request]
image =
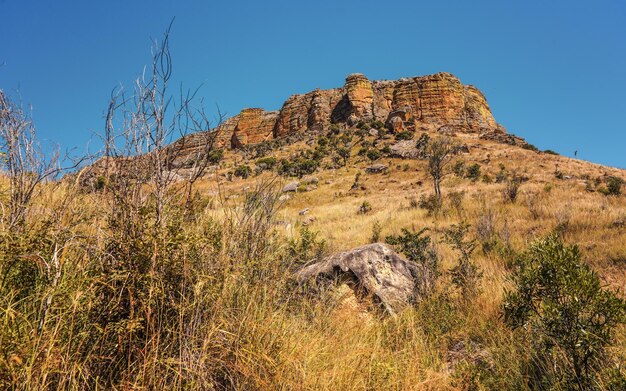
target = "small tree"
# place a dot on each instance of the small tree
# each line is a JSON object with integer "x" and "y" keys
{"x": 439, "y": 153}
{"x": 559, "y": 299}
{"x": 466, "y": 273}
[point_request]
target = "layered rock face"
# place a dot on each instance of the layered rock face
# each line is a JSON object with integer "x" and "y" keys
{"x": 418, "y": 103}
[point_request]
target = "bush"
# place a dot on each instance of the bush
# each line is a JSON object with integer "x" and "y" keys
{"x": 416, "y": 247}
{"x": 365, "y": 208}
{"x": 216, "y": 155}
{"x": 466, "y": 273}
{"x": 431, "y": 203}
{"x": 242, "y": 171}
{"x": 298, "y": 167}
{"x": 376, "y": 230}
{"x": 473, "y": 172}
{"x": 511, "y": 190}
{"x": 530, "y": 147}
{"x": 456, "y": 200}
{"x": 405, "y": 135}
{"x": 559, "y": 300}
{"x": 267, "y": 163}
{"x": 459, "y": 168}
{"x": 373, "y": 154}
{"x": 614, "y": 185}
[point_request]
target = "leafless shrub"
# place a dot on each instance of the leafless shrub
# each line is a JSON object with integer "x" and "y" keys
{"x": 534, "y": 204}
{"x": 22, "y": 160}
{"x": 139, "y": 135}
{"x": 485, "y": 225}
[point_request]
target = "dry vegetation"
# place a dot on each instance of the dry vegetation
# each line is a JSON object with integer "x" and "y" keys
{"x": 145, "y": 284}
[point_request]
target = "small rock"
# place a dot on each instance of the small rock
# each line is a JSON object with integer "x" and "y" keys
{"x": 303, "y": 211}
{"x": 291, "y": 187}
{"x": 310, "y": 180}
{"x": 284, "y": 197}
{"x": 308, "y": 220}
{"x": 373, "y": 132}
{"x": 310, "y": 188}
{"x": 376, "y": 169}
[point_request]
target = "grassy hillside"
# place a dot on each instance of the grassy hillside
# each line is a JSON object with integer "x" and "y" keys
{"x": 98, "y": 290}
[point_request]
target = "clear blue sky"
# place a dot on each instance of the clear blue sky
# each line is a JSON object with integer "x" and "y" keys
{"x": 553, "y": 71}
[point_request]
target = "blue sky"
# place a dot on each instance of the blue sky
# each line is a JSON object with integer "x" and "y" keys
{"x": 553, "y": 72}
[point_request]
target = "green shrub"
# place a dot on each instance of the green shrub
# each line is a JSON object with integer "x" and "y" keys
{"x": 614, "y": 185}
{"x": 242, "y": 171}
{"x": 431, "y": 203}
{"x": 416, "y": 246}
{"x": 378, "y": 125}
{"x": 216, "y": 155}
{"x": 559, "y": 302}
{"x": 373, "y": 154}
{"x": 473, "y": 172}
{"x": 466, "y": 273}
{"x": 376, "y": 230}
{"x": 530, "y": 147}
{"x": 550, "y": 152}
{"x": 365, "y": 208}
{"x": 267, "y": 163}
{"x": 405, "y": 135}
{"x": 459, "y": 168}
{"x": 298, "y": 167}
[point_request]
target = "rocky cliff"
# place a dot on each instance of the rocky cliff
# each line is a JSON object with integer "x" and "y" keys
{"x": 417, "y": 103}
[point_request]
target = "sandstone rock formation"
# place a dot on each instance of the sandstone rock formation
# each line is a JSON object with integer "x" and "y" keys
{"x": 417, "y": 103}
{"x": 378, "y": 270}
{"x": 438, "y": 102}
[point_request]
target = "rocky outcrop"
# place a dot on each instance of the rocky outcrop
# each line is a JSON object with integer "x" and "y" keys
{"x": 375, "y": 269}
{"x": 253, "y": 126}
{"x": 417, "y": 103}
{"x": 437, "y": 102}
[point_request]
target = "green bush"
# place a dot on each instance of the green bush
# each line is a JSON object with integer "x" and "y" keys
{"x": 373, "y": 154}
{"x": 216, "y": 155}
{"x": 431, "y": 203}
{"x": 365, "y": 208}
{"x": 466, "y": 274}
{"x": 298, "y": 167}
{"x": 473, "y": 172}
{"x": 267, "y": 163}
{"x": 242, "y": 171}
{"x": 416, "y": 246}
{"x": 614, "y": 185}
{"x": 459, "y": 168}
{"x": 405, "y": 135}
{"x": 559, "y": 302}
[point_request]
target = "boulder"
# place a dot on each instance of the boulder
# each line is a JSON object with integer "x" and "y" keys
{"x": 405, "y": 149}
{"x": 291, "y": 187}
{"x": 375, "y": 269}
{"x": 376, "y": 168}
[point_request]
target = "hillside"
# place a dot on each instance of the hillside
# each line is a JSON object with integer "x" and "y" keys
{"x": 131, "y": 275}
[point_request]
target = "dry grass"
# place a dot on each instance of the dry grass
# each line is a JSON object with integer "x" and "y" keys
{"x": 241, "y": 324}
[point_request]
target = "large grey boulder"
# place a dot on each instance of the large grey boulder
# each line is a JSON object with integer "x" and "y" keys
{"x": 378, "y": 270}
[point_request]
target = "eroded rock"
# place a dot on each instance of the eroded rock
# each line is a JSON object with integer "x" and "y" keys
{"x": 375, "y": 268}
